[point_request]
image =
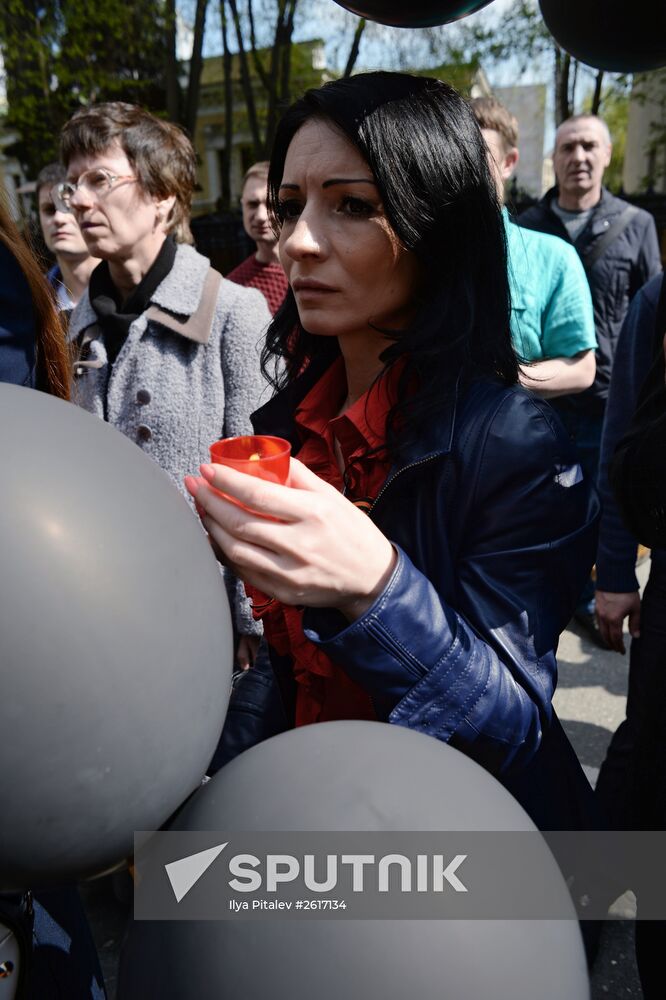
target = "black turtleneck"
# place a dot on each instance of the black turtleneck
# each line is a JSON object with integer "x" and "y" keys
{"x": 115, "y": 316}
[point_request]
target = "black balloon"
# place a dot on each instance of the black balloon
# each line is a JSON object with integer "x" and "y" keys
{"x": 419, "y": 14}
{"x": 610, "y": 34}
{"x": 356, "y": 776}
{"x": 116, "y": 643}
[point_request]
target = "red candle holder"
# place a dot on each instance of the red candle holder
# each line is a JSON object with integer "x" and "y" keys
{"x": 256, "y": 455}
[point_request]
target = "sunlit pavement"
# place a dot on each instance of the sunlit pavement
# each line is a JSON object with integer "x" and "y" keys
{"x": 590, "y": 701}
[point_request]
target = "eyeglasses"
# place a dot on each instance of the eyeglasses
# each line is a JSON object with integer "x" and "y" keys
{"x": 97, "y": 181}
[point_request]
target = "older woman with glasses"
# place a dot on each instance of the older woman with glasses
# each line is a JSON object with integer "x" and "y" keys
{"x": 167, "y": 350}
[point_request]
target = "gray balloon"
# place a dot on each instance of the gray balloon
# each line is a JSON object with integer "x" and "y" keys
{"x": 116, "y": 643}
{"x": 355, "y": 776}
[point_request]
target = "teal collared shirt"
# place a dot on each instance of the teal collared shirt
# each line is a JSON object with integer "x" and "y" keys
{"x": 551, "y": 305}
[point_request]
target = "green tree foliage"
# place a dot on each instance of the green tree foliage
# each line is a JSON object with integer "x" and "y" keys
{"x": 649, "y": 95}
{"x": 518, "y": 35}
{"x": 61, "y": 54}
{"x": 28, "y": 33}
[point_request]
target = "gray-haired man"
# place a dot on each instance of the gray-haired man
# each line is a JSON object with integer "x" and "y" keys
{"x": 617, "y": 244}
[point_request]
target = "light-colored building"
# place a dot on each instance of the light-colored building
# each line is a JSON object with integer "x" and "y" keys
{"x": 467, "y": 78}
{"x": 11, "y": 175}
{"x": 528, "y": 104}
{"x": 12, "y": 180}
{"x": 645, "y": 151}
{"x": 308, "y": 69}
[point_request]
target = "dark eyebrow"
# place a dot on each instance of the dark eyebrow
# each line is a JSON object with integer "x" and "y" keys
{"x": 332, "y": 181}
{"x": 348, "y": 180}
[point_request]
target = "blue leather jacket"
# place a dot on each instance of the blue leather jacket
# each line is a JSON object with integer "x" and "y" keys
{"x": 495, "y": 531}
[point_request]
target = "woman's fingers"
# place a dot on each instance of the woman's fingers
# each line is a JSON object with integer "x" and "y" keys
{"x": 269, "y": 499}
{"x": 231, "y": 537}
{"x": 192, "y": 485}
{"x": 243, "y": 525}
{"x": 270, "y": 572}
{"x": 303, "y": 544}
{"x": 264, "y": 498}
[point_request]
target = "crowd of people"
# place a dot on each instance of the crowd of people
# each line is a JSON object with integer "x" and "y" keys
{"x": 454, "y": 384}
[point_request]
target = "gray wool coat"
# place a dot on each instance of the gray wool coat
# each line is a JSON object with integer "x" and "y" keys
{"x": 181, "y": 379}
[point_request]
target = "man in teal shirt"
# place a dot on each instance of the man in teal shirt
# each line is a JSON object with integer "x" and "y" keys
{"x": 552, "y": 320}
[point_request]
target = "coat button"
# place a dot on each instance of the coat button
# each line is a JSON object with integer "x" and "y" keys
{"x": 143, "y": 433}
{"x": 143, "y": 397}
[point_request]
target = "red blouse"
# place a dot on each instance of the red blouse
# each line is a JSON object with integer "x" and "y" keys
{"x": 324, "y": 691}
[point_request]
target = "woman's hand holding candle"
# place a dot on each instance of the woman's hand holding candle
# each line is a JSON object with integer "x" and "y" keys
{"x": 302, "y": 544}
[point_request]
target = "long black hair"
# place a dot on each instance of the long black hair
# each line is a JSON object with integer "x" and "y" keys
{"x": 424, "y": 147}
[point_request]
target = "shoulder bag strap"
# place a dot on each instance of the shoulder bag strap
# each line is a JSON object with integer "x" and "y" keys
{"x": 590, "y": 255}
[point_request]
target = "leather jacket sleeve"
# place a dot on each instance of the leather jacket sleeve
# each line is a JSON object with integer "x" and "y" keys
{"x": 476, "y": 667}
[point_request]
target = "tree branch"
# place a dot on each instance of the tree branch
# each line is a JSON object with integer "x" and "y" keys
{"x": 258, "y": 65}
{"x": 596, "y": 97}
{"x": 228, "y": 109}
{"x": 196, "y": 65}
{"x": 246, "y": 82}
{"x": 574, "y": 81}
{"x": 172, "y": 85}
{"x": 356, "y": 44}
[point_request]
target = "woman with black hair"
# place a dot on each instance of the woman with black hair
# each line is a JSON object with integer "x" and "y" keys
{"x": 436, "y": 529}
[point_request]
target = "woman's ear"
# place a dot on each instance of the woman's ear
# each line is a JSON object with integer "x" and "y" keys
{"x": 164, "y": 208}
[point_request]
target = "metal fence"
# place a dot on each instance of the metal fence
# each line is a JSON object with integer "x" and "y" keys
{"x": 221, "y": 237}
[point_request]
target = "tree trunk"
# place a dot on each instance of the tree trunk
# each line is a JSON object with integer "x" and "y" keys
{"x": 258, "y": 65}
{"x": 285, "y": 76}
{"x": 225, "y": 179}
{"x": 246, "y": 83}
{"x": 356, "y": 44}
{"x": 562, "y": 69}
{"x": 596, "y": 97}
{"x": 574, "y": 81}
{"x": 171, "y": 73}
{"x": 280, "y": 69}
{"x": 271, "y": 80}
{"x": 556, "y": 81}
{"x": 196, "y": 65}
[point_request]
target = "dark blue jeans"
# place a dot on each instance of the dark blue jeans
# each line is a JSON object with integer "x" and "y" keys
{"x": 631, "y": 789}
{"x": 255, "y": 711}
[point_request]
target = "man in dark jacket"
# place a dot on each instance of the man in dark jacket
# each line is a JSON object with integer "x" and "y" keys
{"x": 618, "y": 246}
{"x": 631, "y": 788}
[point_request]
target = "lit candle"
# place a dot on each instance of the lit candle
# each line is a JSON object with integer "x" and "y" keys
{"x": 256, "y": 455}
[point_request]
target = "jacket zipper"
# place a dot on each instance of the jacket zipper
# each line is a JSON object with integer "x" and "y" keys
{"x": 387, "y": 485}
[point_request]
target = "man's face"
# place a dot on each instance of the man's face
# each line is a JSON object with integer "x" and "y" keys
{"x": 255, "y": 215}
{"x": 60, "y": 229}
{"x": 582, "y": 153}
{"x": 502, "y": 160}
